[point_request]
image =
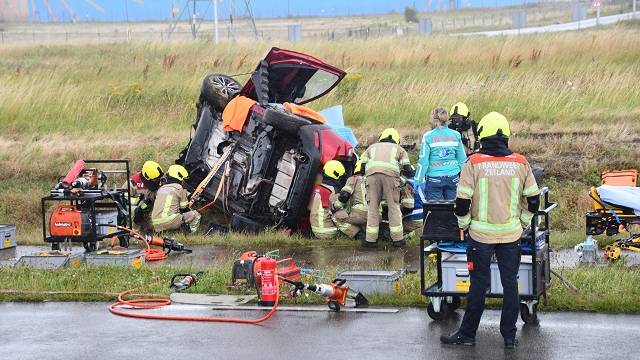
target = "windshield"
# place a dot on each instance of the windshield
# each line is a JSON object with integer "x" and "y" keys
{"x": 317, "y": 85}
{"x": 298, "y": 83}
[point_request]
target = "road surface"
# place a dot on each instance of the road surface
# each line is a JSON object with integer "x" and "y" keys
{"x": 576, "y": 25}
{"x": 88, "y": 331}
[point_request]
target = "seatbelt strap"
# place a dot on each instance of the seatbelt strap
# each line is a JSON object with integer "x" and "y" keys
{"x": 214, "y": 170}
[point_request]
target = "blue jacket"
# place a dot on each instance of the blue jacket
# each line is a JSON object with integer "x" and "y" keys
{"x": 441, "y": 154}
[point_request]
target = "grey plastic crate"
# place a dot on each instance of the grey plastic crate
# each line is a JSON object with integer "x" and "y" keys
{"x": 525, "y": 273}
{"x": 7, "y": 236}
{"x": 50, "y": 262}
{"x": 371, "y": 282}
{"x": 455, "y": 275}
{"x": 132, "y": 258}
{"x": 107, "y": 217}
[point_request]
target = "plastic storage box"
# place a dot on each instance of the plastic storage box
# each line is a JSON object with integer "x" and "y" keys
{"x": 132, "y": 258}
{"x": 455, "y": 275}
{"x": 525, "y": 274}
{"x": 109, "y": 217}
{"x": 371, "y": 282}
{"x": 7, "y": 236}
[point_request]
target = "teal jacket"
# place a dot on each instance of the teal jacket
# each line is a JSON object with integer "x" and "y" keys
{"x": 441, "y": 154}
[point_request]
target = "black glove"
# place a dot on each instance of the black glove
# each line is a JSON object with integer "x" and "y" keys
{"x": 408, "y": 171}
{"x": 344, "y": 196}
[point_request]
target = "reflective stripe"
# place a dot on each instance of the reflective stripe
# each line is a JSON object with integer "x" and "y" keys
{"x": 317, "y": 230}
{"x": 486, "y": 227}
{"x": 362, "y": 207}
{"x": 484, "y": 200}
{"x": 165, "y": 216}
{"x": 363, "y": 193}
{"x": 348, "y": 189}
{"x": 408, "y": 203}
{"x": 143, "y": 206}
{"x": 444, "y": 143}
{"x": 464, "y": 221}
{"x": 395, "y": 229}
{"x": 465, "y": 190}
{"x": 320, "y": 228}
{"x": 184, "y": 204}
{"x": 525, "y": 218}
{"x": 373, "y": 229}
{"x": 531, "y": 190}
{"x": 515, "y": 197}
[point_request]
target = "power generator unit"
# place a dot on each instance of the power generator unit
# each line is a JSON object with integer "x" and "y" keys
{"x": 90, "y": 205}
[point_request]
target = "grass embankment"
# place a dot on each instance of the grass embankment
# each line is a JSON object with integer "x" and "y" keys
{"x": 573, "y": 99}
{"x": 603, "y": 289}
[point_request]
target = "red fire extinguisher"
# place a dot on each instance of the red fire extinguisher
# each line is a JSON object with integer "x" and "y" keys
{"x": 269, "y": 286}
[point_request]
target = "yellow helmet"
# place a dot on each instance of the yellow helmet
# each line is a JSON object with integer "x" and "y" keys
{"x": 334, "y": 169}
{"x": 178, "y": 172}
{"x": 493, "y": 124}
{"x": 392, "y": 133}
{"x": 460, "y": 109}
{"x": 358, "y": 166}
{"x": 151, "y": 170}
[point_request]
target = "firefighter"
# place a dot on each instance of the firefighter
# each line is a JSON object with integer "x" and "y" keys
{"x": 350, "y": 207}
{"x": 170, "y": 210}
{"x": 324, "y": 193}
{"x": 383, "y": 163}
{"x": 442, "y": 156}
{"x": 496, "y": 198}
{"x": 146, "y": 183}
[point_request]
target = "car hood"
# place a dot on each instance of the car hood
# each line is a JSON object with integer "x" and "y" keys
{"x": 294, "y": 77}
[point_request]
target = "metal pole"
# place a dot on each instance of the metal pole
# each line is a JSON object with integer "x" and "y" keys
{"x": 634, "y": 9}
{"x": 598, "y": 15}
{"x": 215, "y": 19}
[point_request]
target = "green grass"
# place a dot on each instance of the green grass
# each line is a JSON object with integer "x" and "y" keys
{"x": 612, "y": 288}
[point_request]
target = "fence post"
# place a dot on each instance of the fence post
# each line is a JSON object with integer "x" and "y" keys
{"x": 2, "y": 33}
{"x": 66, "y": 36}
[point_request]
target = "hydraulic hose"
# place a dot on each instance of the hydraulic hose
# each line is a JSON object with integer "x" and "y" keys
{"x": 150, "y": 254}
{"x": 156, "y": 303}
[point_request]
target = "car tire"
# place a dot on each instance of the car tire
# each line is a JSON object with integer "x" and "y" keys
{"x": 241, "y": 223}
{"x": 218, "y": 90}
{"x": 284, "y": 122}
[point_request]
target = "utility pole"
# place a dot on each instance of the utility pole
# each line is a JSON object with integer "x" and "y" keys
{"x": 126, "y": 11}
{"x": 215, "y": 20}
{"x": 634, "y": 9}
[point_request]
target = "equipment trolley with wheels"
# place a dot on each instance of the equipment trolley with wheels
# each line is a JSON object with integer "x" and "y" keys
{"x": 448, "y": 248}
{"x": 89, "y": 197}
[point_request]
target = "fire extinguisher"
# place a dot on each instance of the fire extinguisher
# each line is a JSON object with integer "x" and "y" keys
{"x": 269, "y": 286}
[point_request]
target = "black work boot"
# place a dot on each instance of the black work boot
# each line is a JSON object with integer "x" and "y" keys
{"x": 457, "y": 339}
{"x": 399, "y": 243}
{"x": 510, "y": 343}
{"x": 369, "y": 245}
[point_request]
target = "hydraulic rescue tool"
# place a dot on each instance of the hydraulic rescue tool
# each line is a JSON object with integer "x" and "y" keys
{"x": 337, "y": 293}
{"x": 167, "y": 244}
{"x": 186, "y": 282}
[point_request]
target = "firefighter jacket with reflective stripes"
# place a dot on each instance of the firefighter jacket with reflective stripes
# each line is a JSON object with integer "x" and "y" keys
{"x": 320, "y": 215}
{"x": 498, "y": 188}
{"x": 385, "y": 158}
{"x": 169, "y": 200}
{"x": 441, "y": 154}
{"x": 357, "y": 187}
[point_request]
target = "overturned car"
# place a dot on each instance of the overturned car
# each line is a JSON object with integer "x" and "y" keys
{"x": 257, "y": 164}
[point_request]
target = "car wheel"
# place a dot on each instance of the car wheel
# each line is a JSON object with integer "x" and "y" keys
{"x": 284, "y": 122}
{"x": 218, "y": 89}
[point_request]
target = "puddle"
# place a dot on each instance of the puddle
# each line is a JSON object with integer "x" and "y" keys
{"x": 341, "y": 258}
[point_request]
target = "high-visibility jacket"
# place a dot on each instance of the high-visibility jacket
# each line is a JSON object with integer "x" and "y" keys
{"x": 319, "y": 212}
{"x": 169, "y": 200}
{"x": 357, "y": 187}
{"x": 386, "y": 158}
{"x": 498, "y": 188}
{"x": 441, "y": 154}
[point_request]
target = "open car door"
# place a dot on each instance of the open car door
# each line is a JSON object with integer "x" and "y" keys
{"x": 291, "y": 77}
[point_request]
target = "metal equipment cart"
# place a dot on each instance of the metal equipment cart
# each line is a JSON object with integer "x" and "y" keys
{"x": 92, "y": 203}
{"x": 453, "y": 276}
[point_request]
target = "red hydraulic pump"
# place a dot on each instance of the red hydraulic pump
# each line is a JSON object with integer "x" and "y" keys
{"x": 249, "y": 267}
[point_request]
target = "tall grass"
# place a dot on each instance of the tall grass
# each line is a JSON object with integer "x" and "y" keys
{"x": 573, "y": 98}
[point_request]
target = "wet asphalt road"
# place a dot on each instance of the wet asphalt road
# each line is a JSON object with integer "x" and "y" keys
{"x": 89, "y": 331}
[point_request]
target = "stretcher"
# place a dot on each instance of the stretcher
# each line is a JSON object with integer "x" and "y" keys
{"x": 616, "y": 209}
{"x": 448, "y": 250}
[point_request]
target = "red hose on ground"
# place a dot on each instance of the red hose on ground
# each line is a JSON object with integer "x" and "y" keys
{"x": 138, "y": 304}
{"x": 150, "y": 254}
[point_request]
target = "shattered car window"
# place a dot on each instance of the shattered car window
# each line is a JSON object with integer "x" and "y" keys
{"x": 319, "y": 83}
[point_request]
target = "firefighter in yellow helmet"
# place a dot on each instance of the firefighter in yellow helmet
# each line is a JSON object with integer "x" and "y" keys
{"x": 350, "y": 207}
{"x": 170, "y": 210}
{"x": 324, "y": 193}
{"x": 145, "y": 184}
{"x": 383, "y": 163}
{"x": 496, "y": 198}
